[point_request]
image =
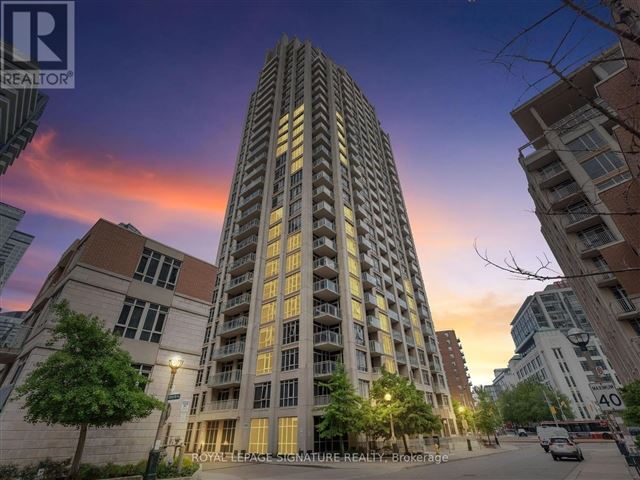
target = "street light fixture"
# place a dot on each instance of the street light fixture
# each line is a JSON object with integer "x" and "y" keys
{"x": 394, "y": 443}
{"x": 154, "y": 455}
{"x": 579, "y": 338}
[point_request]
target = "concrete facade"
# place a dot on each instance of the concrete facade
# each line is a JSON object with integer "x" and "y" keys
{"x": 13, "y": 243}
{"x": 455, "y": 367}
{"x": 582, "y": 171}
{"x": 317, "y": 266}
{"x": 99, "y": 275}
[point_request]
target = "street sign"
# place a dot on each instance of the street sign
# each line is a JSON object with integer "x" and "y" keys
{"x": 607, "y": 396}
{"x": 173, "y": 396}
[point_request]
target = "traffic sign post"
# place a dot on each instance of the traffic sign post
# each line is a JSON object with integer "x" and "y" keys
{"x": 173, "y": 396}
{"x": 607, "y": 396}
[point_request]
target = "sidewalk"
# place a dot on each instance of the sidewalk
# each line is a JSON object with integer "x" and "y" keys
{"x": 601, "y": 464}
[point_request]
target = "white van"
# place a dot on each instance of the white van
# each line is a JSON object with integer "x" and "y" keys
{"x": 546, "y": 432}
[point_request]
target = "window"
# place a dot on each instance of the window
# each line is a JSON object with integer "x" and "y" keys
{"x": 187, "y": 437}
{"x": 589, "y": 142}
{"x": 228, "y": 434}
{"x": 356, "y": 310}
{"x": 354, "y": 286}
{"x": 293, "y": 261}
{"x": 358, "y": 333}
{"x": 363, "y": 388}
{"x": 145, "y": 371}
{"x": 295, "y": 224}
{"x": 292, "y": 306}
{"x": 268, "y": 313}
{"x": 262, "y": 395}
{"x": 148, "y": 271}
{"x": 273, "y": 249}
{"x": 296, "y": 164}
{"x": 199, "y": 377}
{"x": 602, "y": 164}
{"x": 270, "y": 289}
{"x": 259, "y": 435}
{"x": 289, "y": 393}
{"x": 294, "y": 241}
{"x": 348, "y": 213}
{"x": 387, "y": 344}
{"x": 263, "y": 363}
{"x": 361, "y": 360}
{"x": 211, "y": 433}
{"x": 203, "y": 402}
{"x": 290, "y": 332}
{"x": 287, "y": 435}
{"x": 289, "y": 359}
{"x": 272, "y": 267}
{"x": 133, "y": 311}
{"x": 352, "y": 248}
{"x": 266, "y": 337}
{"x": 353, "y": 266}
{"x": 295, "y": 207}
{"x": 275, "y": 231}
{"x": 275, "y": 216}
{"x": 292, "y": 283}
{"x": 296, "y": 178}
{"x": 194, "y": 404}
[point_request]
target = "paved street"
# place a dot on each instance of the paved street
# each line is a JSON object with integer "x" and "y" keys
{"x": 528, "y": 462}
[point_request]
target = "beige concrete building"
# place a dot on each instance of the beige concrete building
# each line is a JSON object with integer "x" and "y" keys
{"x": 317, "y": 266}
{"x": 582, "y": 171}
{"x": 157, "y": 298}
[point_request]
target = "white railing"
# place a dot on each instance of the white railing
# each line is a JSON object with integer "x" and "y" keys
{"x": 327, "y": 337}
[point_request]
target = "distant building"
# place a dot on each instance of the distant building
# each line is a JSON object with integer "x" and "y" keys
{"x": 455, "y": 367}
{"x": 544, "y": 353}
{"x": 157, "y": 298}
{"x": 20, "y": 110}
{"x": 13, "y": 244}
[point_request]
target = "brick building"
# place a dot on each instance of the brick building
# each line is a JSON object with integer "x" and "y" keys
{"x": 122, "y": 277}
{"x": 455, "y": 367}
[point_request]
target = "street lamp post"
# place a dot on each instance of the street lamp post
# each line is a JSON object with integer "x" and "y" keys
{"x": 394, "y": 443}
{"x": 154, "y": 454}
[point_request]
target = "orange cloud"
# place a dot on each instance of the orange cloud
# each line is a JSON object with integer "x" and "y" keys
{"x": 82, "y": 187}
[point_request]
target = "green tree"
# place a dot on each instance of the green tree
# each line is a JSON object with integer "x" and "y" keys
{"x": 411, "y": 413}
{"x": 89, "y": 382}
{"x": 374, "y": 422}
{"x": 343, "y": 414}
{"x": 487, "y": 415}
{"x": 631, "y": 397}
{"x": 526, "y": 403}
{"x": 464, "y": 416}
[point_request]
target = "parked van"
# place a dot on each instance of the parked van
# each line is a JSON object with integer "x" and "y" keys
{"x": 546, "y": 432}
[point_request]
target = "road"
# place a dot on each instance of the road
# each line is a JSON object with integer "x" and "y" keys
{"x": 529, "y": 462}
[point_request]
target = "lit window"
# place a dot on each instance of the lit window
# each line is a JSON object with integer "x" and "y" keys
{"x": 268, "y": 313}
{"x": 293, "y": 261}
{"x": 356, "y": 310}
{"x": 266, "y": 337}
{"x": 275, "y": 216}
{"x": 297, "y": 152}
{"x": 390, "y": 365}
{"x": 343, "y": 158}
{"x": 292, "y": 283}
{"x": 297, "y": 131}
{"x": 384, "y": 322}
{"x": 296, "y": 165}
{"x": 348, "y": 228}
{"x": 352, "y": 248}
{"x": 283, "y": 119}
{"x": 281, "y": 149}
{"x": 272, "y": 267}
{"x": 273, "y": 249}
{"x": 263, "y": 363}
{"x": 282, "y": 138}
{"x": 294, "y": 241}
{"x": 259, "y": 435}
{"x": 348, "y": 213}
{"x": 380, "y": 302}
{"x": 287, "y": 435}
{"x": 270, "y": 289}
{"x": 417, "y": 336}
{"x": 387, "y": 344}
{"x": 353, "y": 265}
{"x": 292, "y": 306}
{"x": 275, "y": 231}
{"x": 298, "y": 110}
{"x": 354, "y": 286}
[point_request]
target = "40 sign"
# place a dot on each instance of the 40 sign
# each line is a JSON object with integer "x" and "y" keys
{"x": 607, "y": 396}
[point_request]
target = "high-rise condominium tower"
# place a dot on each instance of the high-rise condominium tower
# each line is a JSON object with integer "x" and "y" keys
{"x": 317, "y": 266}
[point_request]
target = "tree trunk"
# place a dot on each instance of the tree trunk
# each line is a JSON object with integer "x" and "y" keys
{"x": 406, "y": 446}
{"x": 342, "y": 445}
{"x": 75, "y": 465}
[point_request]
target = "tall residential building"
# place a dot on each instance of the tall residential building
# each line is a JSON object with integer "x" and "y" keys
{"x": 20, "y": 110}
{"x": 582, "y": 169}
{"x": 455, "y": 367}
{"x": 317, "y": 266}
{"x": 13, "y": 244}
{"x": 543, "y": 352}
{"x": 157, "y": 298}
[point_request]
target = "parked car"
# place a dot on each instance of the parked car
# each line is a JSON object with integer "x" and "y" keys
{"x": 522, "y": 432}
{"x": 545, "y": 433}
{"x": 564, "y": 447}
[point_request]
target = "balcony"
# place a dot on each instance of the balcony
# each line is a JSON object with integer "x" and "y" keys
{"x": 243, "y": 264}
{"x": 397, "y": 336}
{"x": 226, "y": 379}
{"x": 625, "y": 308}
{"x": 325, "y": 267}
{"x": 393, "y": 316}
{"x": 410, "y": 341}
{"x": 229, "y": 352}
{"x": 413, "y": 361}
{"x": 327, "y": 341}
{"x": 249, "y": 200}
{"x": 366, "y": 262}
{"x": 240, "y": 283}
{"x": 233, "y": 327}
{"x": 321, "y": 165}
{"x": 325, "y": 290}
{"x": 324, "y": 246}
{"x": 325, "y": 368}
{"x": 12, "y": 337}
{"x": 594, "y": 238}
{"x": 406, "y": 323}
{"x": 365, "y": 243}
{"x": 564, "y": 192}
{"x": 370, "y": 300}
{"x": 553, "y": 174}
{"x": 579, "y": 218}
{"x": 373, "y": 323}
{"x": 327, "y": 314}
{"x": 322, "y": 178}
{"x": 322, "y": 152}
{"x": 323, "y": 193}
{"x": 321, "y": 400}
{"x": 237, "y": 304}
{"x": 219, "y": 405}
{"x": 247, "y": 229}
{"x": 252, "y": 186}
{"x": 245, "y": 246}
{"x": 323, "y": 208}
{"x": 401, "y": 358}
{"x": 250, "y": 213}
{"x": 324, "y": 227}
{"x": 375, "y": 348}
{"x": 370, "y": 281}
